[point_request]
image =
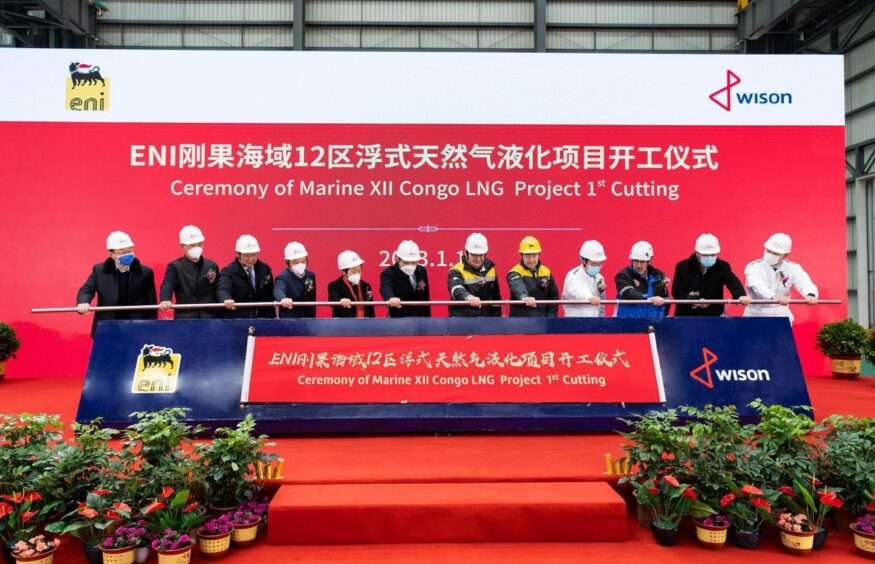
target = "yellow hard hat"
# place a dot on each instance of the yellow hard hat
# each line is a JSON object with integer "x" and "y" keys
{"x": 530, "y": 245}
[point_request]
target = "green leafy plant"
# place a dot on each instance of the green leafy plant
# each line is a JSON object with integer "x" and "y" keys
{"x": 669, "y": 501}
{"x": 9, "y": 342}
{"x": 21, "y": 513}
{"x": 24, "y": 438}
{"x": 652, "y": 442}
{"x": 174, "y": 510}
{"x": 782, "y": 439}
{"x": 90, "y": 520}
{"x": 227, "y": 464}
{"x": 842, "y": 338}
{"x": 816, "y": 503}
{"x": 747, "y": 506}
{"x": 846, "y": 457}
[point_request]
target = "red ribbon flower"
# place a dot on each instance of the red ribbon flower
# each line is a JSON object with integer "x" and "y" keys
{"x": 110, "y": 514}
{"x": 689, "y": 493}
{"x": 154, "y": 506}
{"x": 831, "y": 499}
{"x": 5, "y": 509}
{"x": 118, "y": 506}
{"x": 751, "y": 490}
{"x": 869, "y": 507}
{"x": 788, "y": 490}
{"x": 32, "y": 496}
{"x": 28, "y": 515}
{"x": 15, "y": 497}
{"x": 667, "y": 455}
{"x": 166, "y": 492}
{"x": 653, "y": 491}
{"x": 88, "y": 512}
{"x": 101, "y": 492}
{"x": 761, "y": 502}
{"x": 727, "y": 499}
{"x": 190, "y": 507}
{"x": 672, "y": 480}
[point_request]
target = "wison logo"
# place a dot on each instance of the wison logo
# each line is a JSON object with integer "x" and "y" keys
{"x": 724, "y": 96}
{"x": 703, "y": 374}
{"x": 87, "y": 89}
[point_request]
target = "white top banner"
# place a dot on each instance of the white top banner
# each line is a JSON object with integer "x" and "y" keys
{"x": 103, "y": 85}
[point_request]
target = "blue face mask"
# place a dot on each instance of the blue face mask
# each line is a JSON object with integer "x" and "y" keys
{"x": 708, "y": 262}
{"x": 593, "y": 270}
{"x": 126, "y": 260}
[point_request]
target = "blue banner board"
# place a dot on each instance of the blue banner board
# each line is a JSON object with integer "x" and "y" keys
{"x": 718, "y": 361}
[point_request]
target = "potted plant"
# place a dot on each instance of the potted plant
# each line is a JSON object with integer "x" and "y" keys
{"x": 215, "y": 536}
{"x": 846, "y": 455}
{"x": 246, "y": 521}
{"x": 21, "y": 513}
{"x": 120, "y": 547}
{"x": 864, "y": 535}
{"x": 711, "y": 531}
{"x": 226, "y": 464}
{"x": 90, "y": 520}
{"x": 816, "y": 511}
{"x": 173, "y": 547}
{"x": 174, "y": 511}
{"x": 9, "y": 345}
{"x": 748, "y": 507}
{"x": 35, "y": 550}
{"x": 844, "y": 342}
{"x": 669, "y": 501}
{"x": 797, "y": 534}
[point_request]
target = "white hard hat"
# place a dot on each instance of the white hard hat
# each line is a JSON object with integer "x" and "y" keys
{"x": 118, "y": 240}
{"x": 295, "y": 250}
{"x": 476, "y": 243}
{"x": 247, "y": 244}
{"x": 641, "y": 251}
{"x": 348, "y": 259}
{"x": 409, "y": 251}
{"x": 592, "y": 250}
{"x": 189, "y": 235}
{"x": 707, "y": 244}
{"x": 779, "y": 243}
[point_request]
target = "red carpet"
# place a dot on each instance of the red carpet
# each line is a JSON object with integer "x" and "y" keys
{"x": 525, "y": 458}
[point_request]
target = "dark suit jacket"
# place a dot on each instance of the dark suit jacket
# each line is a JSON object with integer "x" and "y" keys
{"x": 396, "y": 284}
{"x": 337, "y": 291}
{"x": 103, "y": 281}
{"x": 193, "y": 283}
{"x": 234, "y": 285}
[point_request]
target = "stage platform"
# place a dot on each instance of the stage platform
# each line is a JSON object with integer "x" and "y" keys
{"x": 528, "y": 461}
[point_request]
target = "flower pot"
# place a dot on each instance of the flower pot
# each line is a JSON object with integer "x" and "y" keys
{"x": 798, "y": 543}
{"x": 665, "y": 537}
{"x": 841, "y": 520}
{"x": 142, "y": 554}
{"x": 712, "y": 537}
{"x": 178, "y": 556}
{"x": 245, "y": 535}
{"x": 119, "y": 555}
{"x": 746, "y": 539}
{"x": 864, "y": 542}
{"x": 214, "y": 546}
{"x": 645, "y": 517}
{"x": 92, "y": 553}
{"x": 44, "y": 558}
{"x": 820, "y": 538}
{"x": 845, "y": 367}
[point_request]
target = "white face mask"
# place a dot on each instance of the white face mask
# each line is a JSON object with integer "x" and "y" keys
{"x": 771, "y": 260}
{"x": 195, "y": 252}
{"x": 299, "y": 269}
{"x": 408, "y": 269}
{"x": 354, "y": 278}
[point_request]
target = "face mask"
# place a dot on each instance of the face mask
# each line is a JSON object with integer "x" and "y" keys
{"x": 408, "y": 269}
{"x": 299, "y": 269}
{"x": 354, "y": 278}
{"x": 195, "y": 252}
{"x": 593, "y": 270}
{"x": 126, "y": 260}
{"x": 708, "y": 262}
{"x": 771, "y": 260}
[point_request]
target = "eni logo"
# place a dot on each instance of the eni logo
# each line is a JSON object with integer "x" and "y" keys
{"x": 157, "y": 371}
{"x": 87, "y": 89}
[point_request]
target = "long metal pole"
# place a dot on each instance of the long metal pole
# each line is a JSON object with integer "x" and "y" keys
{"x": 415, "y": 303}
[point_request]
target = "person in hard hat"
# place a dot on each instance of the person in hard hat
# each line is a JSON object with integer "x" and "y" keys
{"x": 584, "y": 282}
{"x": 120, "y": 280}
{"x": 295, "y": 283}
{"x": 531, "y": 281}
{"x": 246, "y": 280}
{"x": 703, "y": 276}
{"x": 642, "y": 281}
{"x": 406, "y": 281}
{"x": 192, "y": 278}
{"x": 350, "y": 288}
{"x": 772, "y": 277}
{"x": 473, "y": 279}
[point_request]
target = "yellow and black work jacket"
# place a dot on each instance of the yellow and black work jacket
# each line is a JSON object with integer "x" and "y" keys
{"x": 464, "y": 280}
{"x": 536, "y": 283}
